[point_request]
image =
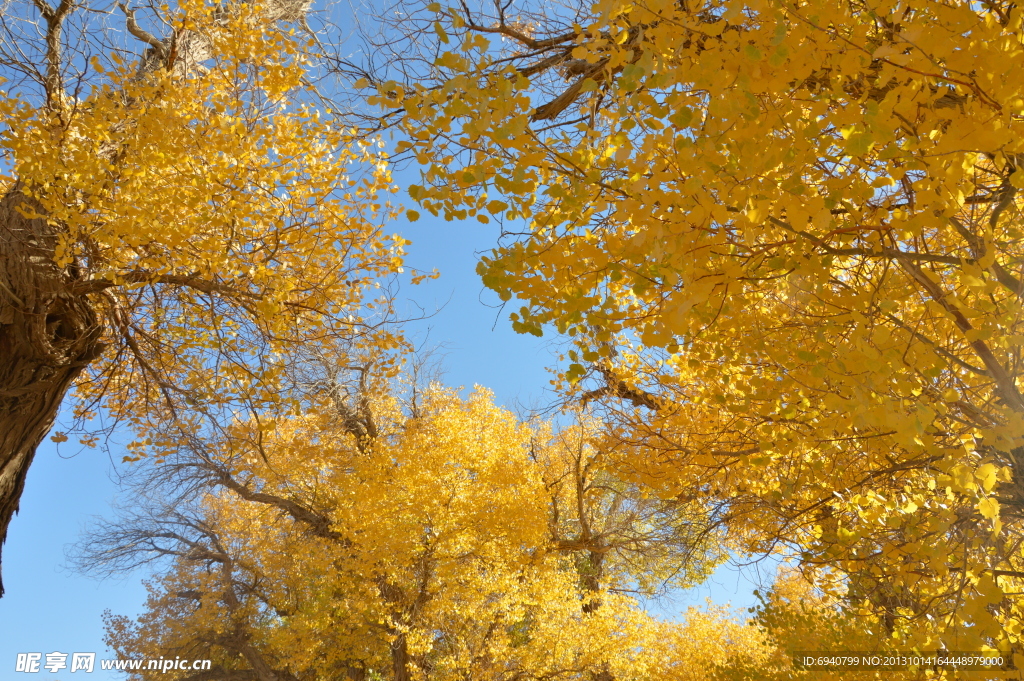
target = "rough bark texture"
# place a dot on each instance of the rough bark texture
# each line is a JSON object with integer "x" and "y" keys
{"x": 47, "y": 336}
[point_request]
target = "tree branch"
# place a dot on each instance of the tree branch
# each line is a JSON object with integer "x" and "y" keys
{"x": 1005, "y": 385}
{"x": 53, "y": 82}
{"x": 141, "y": 34}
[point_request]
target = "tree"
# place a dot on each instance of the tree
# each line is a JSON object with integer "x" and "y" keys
{"x": 799, "y": 620}
{"x": 371, "y": 539}
{"x": 174, "y": 222}
{"x": 786, "y": 240}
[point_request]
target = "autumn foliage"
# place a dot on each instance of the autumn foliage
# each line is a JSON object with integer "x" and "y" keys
{"x": 783, "y": 241}
{"x": 786, "y": 240}
{"x": 458, "y": 543}
{"x": 174, "y": 225}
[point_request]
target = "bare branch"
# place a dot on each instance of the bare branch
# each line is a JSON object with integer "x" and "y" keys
{"x": 54, "y": 79}
{"x": 141, "y": 34}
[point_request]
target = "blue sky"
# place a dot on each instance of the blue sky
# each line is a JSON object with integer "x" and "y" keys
{"x": 50, "y": 608}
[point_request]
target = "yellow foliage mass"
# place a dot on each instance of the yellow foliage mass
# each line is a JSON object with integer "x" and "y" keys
{"x": 453, "y": 545}
{"x": 789, "y": 235}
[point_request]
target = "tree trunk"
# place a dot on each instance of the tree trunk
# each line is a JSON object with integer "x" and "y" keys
{"x": 48, "y": 334}
{"x": 400, "y": 658}
{"x": 591, "y": 581}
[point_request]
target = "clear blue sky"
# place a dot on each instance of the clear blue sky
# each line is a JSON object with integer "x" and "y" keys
{"x": 48, "y": 608}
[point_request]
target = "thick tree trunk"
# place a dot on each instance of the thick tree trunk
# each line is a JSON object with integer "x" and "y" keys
{"x": 48, "y": 334}
{"x": 400, "y": 658}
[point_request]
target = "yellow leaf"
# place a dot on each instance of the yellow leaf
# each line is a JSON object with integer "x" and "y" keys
{"x": 988, "y": 507}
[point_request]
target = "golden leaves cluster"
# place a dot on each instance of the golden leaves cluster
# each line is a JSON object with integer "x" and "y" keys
{"x": 431, "y": 552}
{"x": 214, "y": 214}
{"x": 796, "y": 228}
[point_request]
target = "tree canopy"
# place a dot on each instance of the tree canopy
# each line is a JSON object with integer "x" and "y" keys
{"x": 456, "y": 542}
{"x": 785, "y": 239}
{"x": 173, "y": 221}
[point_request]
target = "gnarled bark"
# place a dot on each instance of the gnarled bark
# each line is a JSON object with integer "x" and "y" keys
{"x": 50, "y": 330}
{"x": 47, "y": 336}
